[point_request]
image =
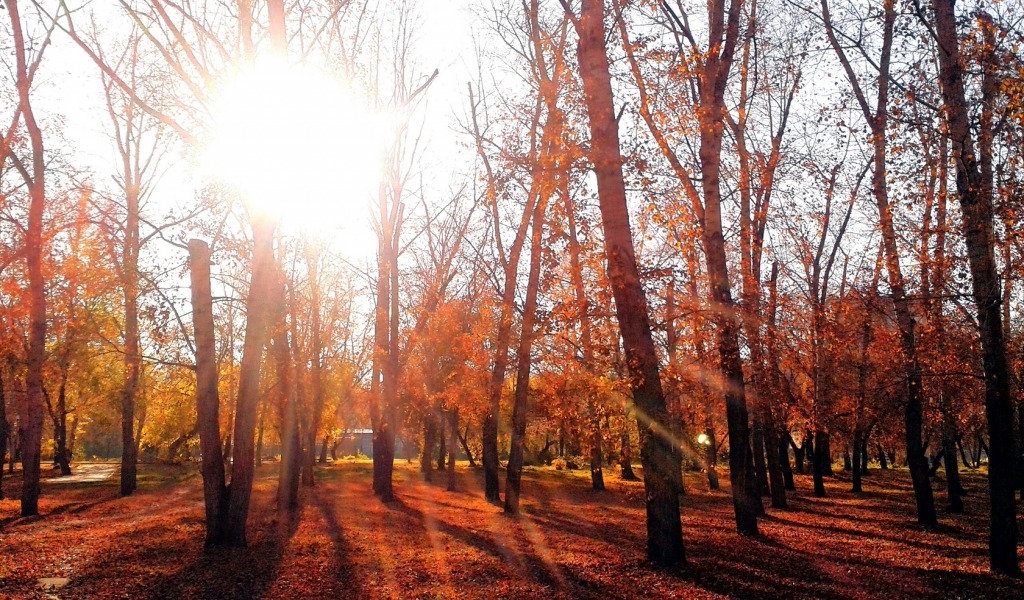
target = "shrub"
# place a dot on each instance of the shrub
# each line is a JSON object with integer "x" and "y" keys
{"x": 559, "y": 464}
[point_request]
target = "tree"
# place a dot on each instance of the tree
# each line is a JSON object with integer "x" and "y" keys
{"x": 974, "y": 190}
{"x": 661, "y": 463}
{"x": 33, "y": 171}
{"x": 877, "y": 120}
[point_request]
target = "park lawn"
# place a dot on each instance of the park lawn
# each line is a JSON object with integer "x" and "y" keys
{"x": 569, "y": 541}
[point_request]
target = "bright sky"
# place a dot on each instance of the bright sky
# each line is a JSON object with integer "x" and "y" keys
{"x": 69, "y": 89}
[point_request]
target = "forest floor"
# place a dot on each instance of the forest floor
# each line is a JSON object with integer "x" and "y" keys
{"x": 569, "y": 541}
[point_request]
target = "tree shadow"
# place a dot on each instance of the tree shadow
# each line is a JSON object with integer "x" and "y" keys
{"x": 526, "y": 563}
{"x": 341, "y": 566}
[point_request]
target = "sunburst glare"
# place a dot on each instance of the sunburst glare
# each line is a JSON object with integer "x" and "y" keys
{"x": 296, "y": 144}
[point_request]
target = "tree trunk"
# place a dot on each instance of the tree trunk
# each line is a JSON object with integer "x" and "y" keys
{"x": 856, "y": 466}
{"x": 60, "y": 426}
{"x": 291, "y": 444}
{"x": 974, "y": 188}
{"x": 818, "y": 459}
{"x": 30, "y": 433}
{"x": 800, "y": 452}
{"x": 864, "y": 453}
{"x": 258, "y": 315}
{"x": 882, "y": 464}
{"x": 322, "y": 459}
{"x": 132, "y": 353}
{"x": 514, "y": 472}
{"x": 877, "y": 120}
{"x": 954, "y": 490}
{"x": 259, "y": 440}
{"x": 429, "y": 441}
{"x": 453, "y": 447}
{"x": 711, "y": 453}
{"x": 760, "y": 466}
{"x": 660, "y": 462}
{"x": 583, "y": 314}
{"x": 4, "y": 429}
{"x": 442, "y": 451}
{"x": 769, "y": 406}
{"x": 378, "y": 418}
{"x": 465, "y": 447}
{"x": 787, "y": 469}
{"x": 626, "y": 453}
{"x": 316, "y": 374}
{"x": 215, "y": 491}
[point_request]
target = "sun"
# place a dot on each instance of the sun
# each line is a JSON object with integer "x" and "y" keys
{"x": 297, "y": 145}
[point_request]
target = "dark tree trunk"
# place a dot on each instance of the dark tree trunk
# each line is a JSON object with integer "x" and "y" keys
{"x": 799, "y": 452}
{"x": 660, "y": 462}
{"x": 453, "y": 446}
{"x": 760, "y": 466}
{"x": 259, "y": 442}
{"x": 322, "y": 459}
{"x": 596, "y": 459}
{"x": 856, "y": 466}
{"x": 711, "y": 453}
{"x": 827, "y": 454}
{"x": 882, "y": 464}
{"x": 954, "y": 501}
{"x": 442, "y": 451}
{"x": 291, "y": 443}
{"x": 215, "y": 491}
{"x": 626, "y": 455}
{"x": 465, "y": 447}
{"x": 864, "y": 453}
{"x": 61, "y": 453}
{"x": 818, "y": 460}
{"x": 974, "y": 188}
{"x": 770, "y": 406}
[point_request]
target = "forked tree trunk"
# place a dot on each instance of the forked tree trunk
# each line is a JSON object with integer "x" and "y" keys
{"x": 215, "y": 492}
{"x": 514, "y": 472}
{"x": 660, "y": 462}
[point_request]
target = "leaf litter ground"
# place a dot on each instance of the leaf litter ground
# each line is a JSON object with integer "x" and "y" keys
{"x": 569, "y": 541}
